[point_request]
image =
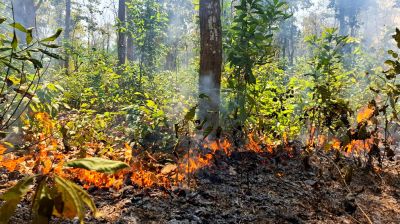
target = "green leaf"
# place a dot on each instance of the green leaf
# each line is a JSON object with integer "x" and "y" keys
{"x": 51, "y": 45}
{"x": 84, "y": 196}
{"x": 207, "y": 131}
{"x": 36, "y": 63}
{"x": 13, "y": 196}
{"x": 19, "y": 27}
{"x": 97, "y": 164}
{"x": 53, "y": 37}
{"x": 29, "y": 35}
{"x": 191, "y": 113}
{"x": 14, "y": 42}
{"x": 203, "y": 96}
{"x": 2, "y": 20}
{"x": 396, "y": 37}
{"x": 10, "y": 66}
{"x": 67, "y": 202}
{"x": 151, "y": 104}
{"x": 43, "y": 204}
{"x": 2, "y": 49}
{"x": 52, "y": 55}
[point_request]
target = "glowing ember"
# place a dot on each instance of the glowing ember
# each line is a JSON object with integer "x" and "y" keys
{"x": 336, "y": 144}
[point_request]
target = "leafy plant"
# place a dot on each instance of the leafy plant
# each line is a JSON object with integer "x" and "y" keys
{"x": 55, "y": 195}
{"x": 22, "y": 67}
{"x": 250, "y": 44}
{"x": 329, "y": 108}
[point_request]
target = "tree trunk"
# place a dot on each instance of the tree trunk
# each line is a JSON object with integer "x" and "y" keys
{"x": 25, "y": 14}
{"x": 210, "y": 62}
{"x": 67, "y": 32}
{"x": 130, "y": 54}
{"x": 121, "y": 34}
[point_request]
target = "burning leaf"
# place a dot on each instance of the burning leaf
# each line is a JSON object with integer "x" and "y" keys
{"x": 128, "y": 153}
{"x": 2, "y": 150}
{"x": 168, "y": 169}
{"x": 365, "y": 114}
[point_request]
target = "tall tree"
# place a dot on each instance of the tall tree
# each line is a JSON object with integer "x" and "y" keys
{"x": 67, "y": 30}
{"x": 129, "y": 42}
{"x": 25, "y": 13}
{"x": 210, "y": 62}
{"x": 121, "y": 33}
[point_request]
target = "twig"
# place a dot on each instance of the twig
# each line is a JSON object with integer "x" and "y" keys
{"x": 349, "y": 190}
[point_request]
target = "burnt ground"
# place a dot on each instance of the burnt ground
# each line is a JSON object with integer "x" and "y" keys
{"x": 248, "y": 188}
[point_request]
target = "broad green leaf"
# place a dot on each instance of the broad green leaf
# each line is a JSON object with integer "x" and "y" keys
{"x": 53, "y": 37}
{"x": 43, "y": 204}
{"x": 19, "y": 27}
{"x": 84, "y": 196}
{"x": 13, "y": 196}
{"x": 97, "y": 164}
{"x": 151, "y": 104}
{"x": 67, "y": 202}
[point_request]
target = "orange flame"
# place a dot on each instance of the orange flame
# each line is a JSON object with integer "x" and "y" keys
{"x": 365, "y": 113}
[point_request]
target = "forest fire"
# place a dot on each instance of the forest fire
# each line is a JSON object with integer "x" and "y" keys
{"x": 365, "y": 113}
{"x": 142, "y": 173}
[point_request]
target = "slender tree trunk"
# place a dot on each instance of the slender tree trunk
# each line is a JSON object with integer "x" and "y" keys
{"x": 121, "y": 34}
{"x": 210, "y": 62}
{"x": 25, "y": 14}
{"x": 67, "y": 32}
{"x": 130, "y": 53}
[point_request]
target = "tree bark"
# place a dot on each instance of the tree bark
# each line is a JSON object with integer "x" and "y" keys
{"x": 130, "y": 48}
{"x": 210, "y": 62}
{"x": 67, "y": 32}
{"x": 25, "y": 14}
{"x": 121, "y": 34}
{"x": 130, "y": 54}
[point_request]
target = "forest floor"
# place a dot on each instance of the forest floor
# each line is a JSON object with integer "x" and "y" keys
{"x": 249, "y": 188}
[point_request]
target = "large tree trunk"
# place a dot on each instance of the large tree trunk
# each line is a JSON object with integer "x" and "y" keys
{"x": 67, "y": 31}
{"x": 210, "y": 62}
{"x": 121, "y": 34}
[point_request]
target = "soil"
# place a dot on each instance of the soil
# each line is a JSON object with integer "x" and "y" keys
{"x": 249, "y": 188}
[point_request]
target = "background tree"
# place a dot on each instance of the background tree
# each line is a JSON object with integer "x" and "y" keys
{"x": 210, "y": 61}
{"x": 121, "y": 33}
{"x": 67, "y": 31}
{"x": 25, "y": 13}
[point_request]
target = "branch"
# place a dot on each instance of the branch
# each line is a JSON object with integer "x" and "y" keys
{"x": 37, "y": 6}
